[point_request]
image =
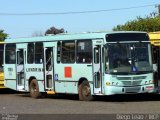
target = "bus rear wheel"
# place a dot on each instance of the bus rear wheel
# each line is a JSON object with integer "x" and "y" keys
{"x": 34, "y": 89}
{"x": 84, "y": 91}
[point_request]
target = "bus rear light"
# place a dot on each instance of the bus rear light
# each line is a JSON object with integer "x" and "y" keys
{"x": 149, "y": 87}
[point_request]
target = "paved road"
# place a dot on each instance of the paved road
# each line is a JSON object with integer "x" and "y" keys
{"x": 19, "y": 103}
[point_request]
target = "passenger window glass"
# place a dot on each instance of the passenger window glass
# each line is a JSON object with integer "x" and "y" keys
{"x": 10, "y": 55}
{"x": 38, "y": 52}
{"x": 96, "y": 55}
{"x": 68, "y": 52}
{"x": 1, "y": 56}
{"x": 20, "y": 57}
{"x": 84, "y": 51}
{"x": 30, "y": 53}
{"x": 59, "y": 52}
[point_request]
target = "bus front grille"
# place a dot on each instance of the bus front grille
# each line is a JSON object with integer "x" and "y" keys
{"x": 132, "y": 90}
{"x": 131, "y": 83}
{"x": 132, "y": 78}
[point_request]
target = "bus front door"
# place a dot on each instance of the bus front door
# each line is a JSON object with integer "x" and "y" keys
{"x": 48, "y": 68}
{"x": 20, "y": 70}
{"x": 156, "y": 67}
{"x": 97, "y": 69}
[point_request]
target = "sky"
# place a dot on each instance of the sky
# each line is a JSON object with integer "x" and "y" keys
{"x": 29, "y": 25}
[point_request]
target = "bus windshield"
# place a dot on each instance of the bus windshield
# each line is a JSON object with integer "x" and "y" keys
{"x": 1, "y": 57}
{"x": 128, "y": 58}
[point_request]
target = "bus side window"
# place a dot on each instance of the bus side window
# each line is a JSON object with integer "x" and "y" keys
{"x": 68, "y": 52}
{"x": 96, "y": 55}
{"x": 20, "y": 57}
{"x": 10, "y": 57}
{"x": 38, "y": 52}
{"x": 84, "y": 51}
{"x": 1, "y": 56}
{"x": 58, "y": 52}
{"x": 30, "y": 53}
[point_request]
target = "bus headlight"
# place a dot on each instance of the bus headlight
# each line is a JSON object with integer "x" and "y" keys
{"x": 117, "y": 83}
{"x": 150, "y": 81}
{"x": 114, "y": 83}
{"x": 146, "y": 82}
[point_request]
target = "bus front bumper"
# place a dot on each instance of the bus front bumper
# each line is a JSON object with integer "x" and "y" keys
{"x": 111, "y": 90}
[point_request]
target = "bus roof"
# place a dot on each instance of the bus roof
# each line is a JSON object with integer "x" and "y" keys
{"x": 155, "y": 38}
{"x": 1, "y": 42}
{"x": 66, "y": 36}
{"x": 154, "y": 35}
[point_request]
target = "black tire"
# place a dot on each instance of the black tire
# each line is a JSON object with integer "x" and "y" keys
{"x": 34, "y": 89}
{"x": 84, "y": 91}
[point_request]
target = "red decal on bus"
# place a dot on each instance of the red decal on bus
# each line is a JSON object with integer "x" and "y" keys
{"x": 67, "y": 72}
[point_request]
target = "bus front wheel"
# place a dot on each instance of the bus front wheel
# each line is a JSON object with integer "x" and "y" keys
{"x": 34, "y": 89}
{"x": 84, "y": 91}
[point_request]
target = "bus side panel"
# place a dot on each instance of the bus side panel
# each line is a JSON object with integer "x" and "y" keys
{"x": 35, "y": 70}
{"x": 69, "y": 75}
{"x": 10, "y": 76}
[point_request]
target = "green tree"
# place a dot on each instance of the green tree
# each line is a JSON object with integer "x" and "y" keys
{"x": 54, "y": 31}
{"x": 3, "y": 35}
{"x": 148, "y": 24}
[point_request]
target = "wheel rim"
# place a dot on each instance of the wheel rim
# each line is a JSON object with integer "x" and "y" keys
{"x": 33, "y": 88}
{"x": 86, "y": 91}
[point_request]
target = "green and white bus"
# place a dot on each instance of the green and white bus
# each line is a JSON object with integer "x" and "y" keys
{"x": 87, "y": 64}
